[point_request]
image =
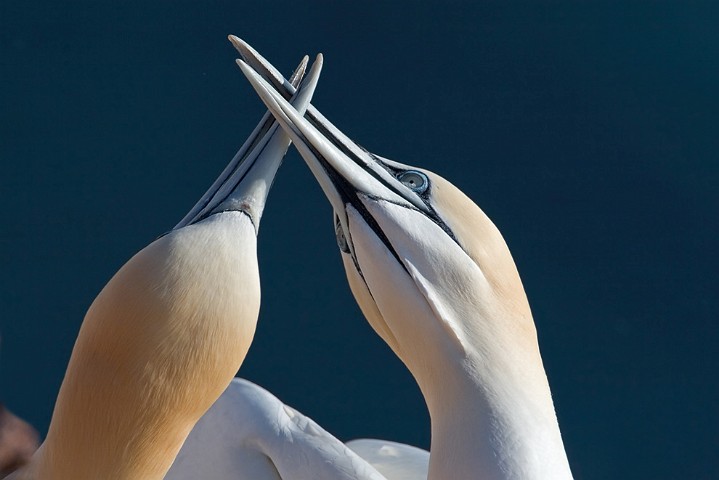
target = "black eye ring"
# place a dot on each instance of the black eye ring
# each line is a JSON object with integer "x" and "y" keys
{"x": 414, "y": 180}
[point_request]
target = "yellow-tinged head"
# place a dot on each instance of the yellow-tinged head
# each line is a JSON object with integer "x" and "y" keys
{"x": 429, "y": 269}
{"x": 158, "y": 345}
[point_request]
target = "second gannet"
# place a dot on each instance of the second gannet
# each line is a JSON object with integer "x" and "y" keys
{"x": 166, "y": 335}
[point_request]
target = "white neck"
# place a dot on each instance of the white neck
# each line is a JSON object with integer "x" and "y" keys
{"x": 493, "y": 418}
{"x": 458, "y": 317}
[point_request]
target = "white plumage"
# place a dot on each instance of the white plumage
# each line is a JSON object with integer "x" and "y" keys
{"x": 250, "y": 434}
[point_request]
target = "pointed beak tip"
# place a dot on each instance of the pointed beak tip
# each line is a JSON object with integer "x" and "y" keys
{"x": 246, "y": 69}
{"x": 236, "y": 42}
{"x": 305, "y": 61}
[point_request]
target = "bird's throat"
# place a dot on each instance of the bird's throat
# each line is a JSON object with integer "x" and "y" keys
{"x": 496, "y": 423}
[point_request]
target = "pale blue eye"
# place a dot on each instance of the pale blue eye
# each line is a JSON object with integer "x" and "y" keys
{"x": 414, "y": 180}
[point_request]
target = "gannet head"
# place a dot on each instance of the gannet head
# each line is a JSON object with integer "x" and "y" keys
{"x": 430, "y": 271}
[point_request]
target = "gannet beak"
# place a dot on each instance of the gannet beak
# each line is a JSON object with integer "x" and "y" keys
{"x": 246, "y": 181}
{"x": 343, "y": 169}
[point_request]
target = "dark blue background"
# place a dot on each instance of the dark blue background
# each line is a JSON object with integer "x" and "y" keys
{"x": 586, "y": 130}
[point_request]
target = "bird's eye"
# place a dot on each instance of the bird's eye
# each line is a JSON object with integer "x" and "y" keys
{"x": 340, "y": 235}
{"x": 414, "y": 180}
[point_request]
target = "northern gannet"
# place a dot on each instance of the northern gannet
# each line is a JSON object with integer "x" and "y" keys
{"x": 166, "y": 335}
{"x": 436, "y": 280}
